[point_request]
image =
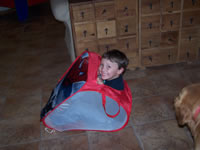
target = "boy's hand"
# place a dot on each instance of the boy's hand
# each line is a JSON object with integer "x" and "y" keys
{"x": 99, "y": 80}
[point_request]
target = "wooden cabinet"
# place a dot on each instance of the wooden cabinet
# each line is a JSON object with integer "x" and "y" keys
{"x": 189, "y": 49}
{"x": 150, "y": 32}
{"x": 102, "y": 25}
{"x": 160, "y": 25}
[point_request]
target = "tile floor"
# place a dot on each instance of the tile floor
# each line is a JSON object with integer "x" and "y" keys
{"x": 33, "y": 56}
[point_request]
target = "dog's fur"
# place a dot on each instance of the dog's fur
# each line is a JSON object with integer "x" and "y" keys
{"x": 186, "y": 105}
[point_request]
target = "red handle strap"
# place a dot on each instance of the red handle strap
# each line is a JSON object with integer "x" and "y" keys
{"x": 104, "y": 106}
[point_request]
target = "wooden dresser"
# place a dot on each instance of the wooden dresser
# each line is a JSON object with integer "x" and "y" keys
{"x": 150, "y": 32}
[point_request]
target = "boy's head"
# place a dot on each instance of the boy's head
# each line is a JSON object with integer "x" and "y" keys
{"x": 113, "y": 64}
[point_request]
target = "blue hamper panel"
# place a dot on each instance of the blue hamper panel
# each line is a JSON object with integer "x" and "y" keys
{"x": 85, "y": 111}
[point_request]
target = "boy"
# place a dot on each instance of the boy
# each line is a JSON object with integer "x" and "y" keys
{"x": 113, "y": 66}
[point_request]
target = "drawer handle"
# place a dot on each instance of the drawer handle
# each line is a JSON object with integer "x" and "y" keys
{"x": 125, "y": 8}
{"x": 106, "y": 30}
{"x": 84, "y": 33}
{"x": 169, "y": 56}
{"x": 92, "y": 34}
{"x": 170, "y": 40}
{"x": 150, "y": 25}
{"x": 150, "y": 42}
{"x": 150, "y": 58}
{"x": 188, "y": 54}
{"x": 126, "y": 28}
{"x": 193, "y": 2}
{"x": 191, "y": 20}
{"x": 127, "y": 45}
{"x": 150, "y": 6}
{"x": 190, "y": 38}
{"x": 104, "y": 11}
{"x": 82, "y": 14}
{"x": 172, "y": 4}
{"x": 171, "y": 23}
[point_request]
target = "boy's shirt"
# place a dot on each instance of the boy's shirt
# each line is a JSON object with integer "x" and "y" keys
{"x": 117, "y": 83}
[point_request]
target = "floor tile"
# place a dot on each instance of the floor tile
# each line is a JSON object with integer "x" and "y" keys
{"x": 22, "y": 105}
{"x": 28, "y": 146}
{"x": 155, "y": 108}
{"x": 169, "y": 81}
{"x": 141, "y": 87}
{"x": 79, "y": 142}
{"x": 164, "y": 135}
{"x": 193, "y": 74}
{"x": 121, "y": 140}
{"x": 19, "y": 131}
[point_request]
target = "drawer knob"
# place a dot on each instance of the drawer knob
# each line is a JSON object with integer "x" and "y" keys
{"x": 172, "y": 4}
{"x": 150, "y": 58}
{"x": 193, "y": 2}
{"x": 127, "y": 45}
{"x": 190, "y": 38}
{"x": 150, "y": 25}
{"x": 170, "y": 39}
{"x": 191, "y": 20}
{"x": 104, "y": 11}
{"x": 169, "y": 56}
{"x": 188, "y": 54}
{"x": 171, "y": 23}
{"x": 84, "y": 33}
{"x": 150, "y": 6}
{"x": 126, "y": 28}
{"x": 150, "y": 42}
{"x": 106, "y": 30}
{"x": 125, "y": 8}
{"x": 82, "y": 14}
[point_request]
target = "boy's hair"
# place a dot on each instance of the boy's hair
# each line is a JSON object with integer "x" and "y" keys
{"x": 117, "y": 57}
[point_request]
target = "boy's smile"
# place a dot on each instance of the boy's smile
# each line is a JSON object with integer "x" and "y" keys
{"x": 109, "y": 70}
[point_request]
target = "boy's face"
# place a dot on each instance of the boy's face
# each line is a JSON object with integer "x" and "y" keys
{"x": 109, "y": 70}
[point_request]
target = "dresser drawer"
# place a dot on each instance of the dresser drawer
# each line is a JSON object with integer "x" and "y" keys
{"x": 85, "y": 31}
{"x": 150, "y": 23}
{"x": 170, "y": 6}
{"x": 106, "y": 29}
{"x": 104, "y": 10}
{"x": 150, "y": 6}
{"x": 150, "y": 40}
{"x": 158, "y": 57}
{"x": 126, "y": 8}
{"x": 86, "y": 46}
{"x": 126, "y": 26}
{"x": 191, "y": 4}
{"x": 82, "y": 12}
{"x": 169, "y": 39}
{"x": 105, "y": 45}
{"x": 190, "y": 35}
{"x": 191, "y": 19}
{"x": 170, "y": 22}
{"x": 189, "y": 52}
{"x": 133, "y": 59}
{"x": 128, "y": 45}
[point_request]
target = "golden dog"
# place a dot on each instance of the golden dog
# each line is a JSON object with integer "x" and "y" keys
{"x": 187, "y": 107}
